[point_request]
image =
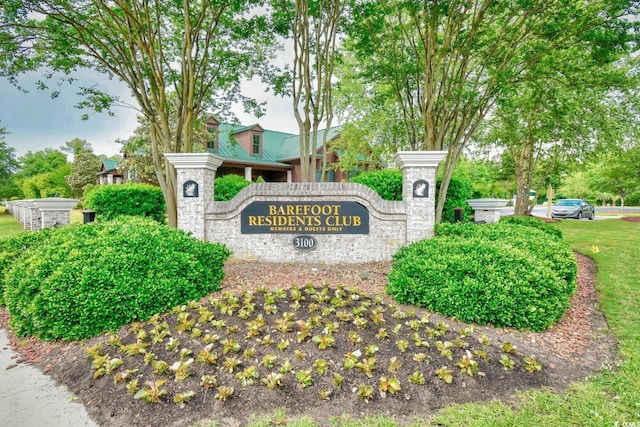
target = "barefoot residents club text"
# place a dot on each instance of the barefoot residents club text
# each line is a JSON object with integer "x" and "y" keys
{"x": 305, "y": 217}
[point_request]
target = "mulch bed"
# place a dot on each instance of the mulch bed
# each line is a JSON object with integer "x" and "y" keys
{"x": 578, "y": 346}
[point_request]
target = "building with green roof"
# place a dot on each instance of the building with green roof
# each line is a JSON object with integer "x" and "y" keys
{"x": 109, "y": 173}
{"x": 251, "y": 152}
{"x": 254, "y": 152}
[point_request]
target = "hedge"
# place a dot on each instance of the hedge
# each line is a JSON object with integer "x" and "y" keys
{"x": 490, "y": 274}
{"x": 228, "y": 186}
{"x": 12, "y": 248}
{"x": 87, "y": 279}
{"x": 539, "y": 244}
{"x": 532, "y": 221}
{"x": 387, "y": 183}
{"x": 112, "y": 201}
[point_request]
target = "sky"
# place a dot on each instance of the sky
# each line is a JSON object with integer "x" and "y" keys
{"x": 34, "y": 121}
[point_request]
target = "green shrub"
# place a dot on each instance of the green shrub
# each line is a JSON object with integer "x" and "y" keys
{"x": 499, "y": 274}
{"x": 112, "y": 201}
{"x": 11, "y": 248}
{"x": 228, "y": 186}
{"x": 553, "y": 252}
{"x": 87, "y": 279}
{"x": 387, "y": 183}
{"x": 85, "y": 192}
{"x": 458, "y": 192}
{"x": 532, "y": 221}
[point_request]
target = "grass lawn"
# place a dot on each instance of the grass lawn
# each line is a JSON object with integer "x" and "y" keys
{"x": 8, "y": 224}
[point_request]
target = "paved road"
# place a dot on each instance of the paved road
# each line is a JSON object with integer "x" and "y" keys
{"x": 541, "y": 211}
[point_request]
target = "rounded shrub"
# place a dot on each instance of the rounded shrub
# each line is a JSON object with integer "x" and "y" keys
{"x": 538, "y": 243}
{"x": 228, "y": 186}
{"x": 112, "y": 201}
{"x": 11, "y": 248}
{"x": 487, "y": 275}
{"x": 87, "y": 279}
{"x": 532, "y": 221}
{"x": 387, "y": 183}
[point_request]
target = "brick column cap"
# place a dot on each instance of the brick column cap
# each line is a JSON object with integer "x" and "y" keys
{"x": 193, "y": 160}
{"x": 406, "y": 159}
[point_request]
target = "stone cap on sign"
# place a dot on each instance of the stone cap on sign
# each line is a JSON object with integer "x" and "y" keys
{"x": 193, "y": 160}
{"x": 55, "y": 204}
{"x": 487, "y": 204}
{"x": 407, "y": 159}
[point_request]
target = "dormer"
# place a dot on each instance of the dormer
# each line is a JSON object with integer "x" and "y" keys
{"x": 213, "y": 129}
{"x": 251, "y": 138}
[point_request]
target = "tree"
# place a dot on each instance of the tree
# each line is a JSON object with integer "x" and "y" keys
{"x": 48, "y": 184}
{"x": 42, "y": 174}
{"x": 8, "y": 162}
{"x": 557, "y": 115}
{"x": 200, "y": 50}
{"x": 8, "y": 166}
{"x": 47, "y": 160}
{"x": 373, "y": 124}
{"x": 76, "y": 146}
{"x": 450, "y": 61}
{"x": 483, "y": 176}
{"x": 576, "y": 186}
{"x": 617, "y": 173}
{"x": 84, "y": 169}
{"x": 314, "y": 29}
{"x": 137, "y": 153}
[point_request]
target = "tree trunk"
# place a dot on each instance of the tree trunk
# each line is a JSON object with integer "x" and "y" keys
{"x": 523, "y": 168}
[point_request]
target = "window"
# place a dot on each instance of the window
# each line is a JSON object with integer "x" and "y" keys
{"x": 212, "y": 139}
{"x": 255, "y": 150}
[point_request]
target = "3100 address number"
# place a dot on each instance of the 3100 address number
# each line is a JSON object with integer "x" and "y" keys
{"x": 304, "y": 243}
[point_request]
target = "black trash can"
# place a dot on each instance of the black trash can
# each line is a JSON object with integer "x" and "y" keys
{"x": 458, "y": 214}
{"x": 88, "y": 216}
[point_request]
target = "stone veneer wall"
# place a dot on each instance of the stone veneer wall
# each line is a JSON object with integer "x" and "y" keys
{"x": 391, "y": 224}
{"x": 387, "y": 225}
{"x": 492, "y": 215}
{"x": 36, "y": 214}
{"x": 52, "y": 219}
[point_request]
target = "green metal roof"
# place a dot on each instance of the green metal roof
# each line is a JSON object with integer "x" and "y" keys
{"x": 231, "y": 151}
{"x": 278, "y": 147}
{"x": 109, "y": 164}
{"x": 290, "y": 149}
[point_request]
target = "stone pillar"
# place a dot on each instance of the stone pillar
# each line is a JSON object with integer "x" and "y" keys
{"x": 289, "y": 176}
{"x": 487, "y": 210}
{"x": 33, "y": 216}
{"x": 195, "y": 175}
{"x": 247, "y": 173}
{"x": 419, "y": 190}
{"x": 55, "y": 211}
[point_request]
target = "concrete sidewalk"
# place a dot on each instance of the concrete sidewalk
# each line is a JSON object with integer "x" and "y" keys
{"x": 29, "y": 398}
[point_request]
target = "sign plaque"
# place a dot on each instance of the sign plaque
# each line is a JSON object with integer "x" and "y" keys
{"x": 421, "y": 188}
{"x": 304, "y": 217}
{"x": 304, "y": 243}
{"x": 190, "y": 189}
